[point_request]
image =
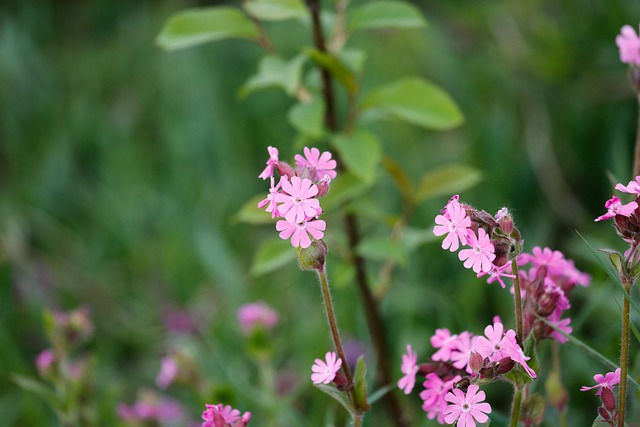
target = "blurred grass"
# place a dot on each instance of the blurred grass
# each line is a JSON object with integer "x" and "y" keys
{"x": 121, "y": 166}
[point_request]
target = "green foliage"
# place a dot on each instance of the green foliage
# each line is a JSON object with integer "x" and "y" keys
{"x": 308, "y": 118}
{"x": 276, "y": 72}
{"x": 276, "y": 10}
{"x": 361, "y": 153}
{"x": 447, "y": 180}
{"x": 271, "y": 255}
{"x": 385, "y": 14}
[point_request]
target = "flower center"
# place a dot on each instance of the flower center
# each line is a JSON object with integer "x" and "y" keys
{"x": 465, "y": 407}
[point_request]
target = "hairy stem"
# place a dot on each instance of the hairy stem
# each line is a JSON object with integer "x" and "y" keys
{"x": 515, "y": 410}
{"x": 517, "y": 301}
{"x": 624, "y": 354}
{"x": 636, "y": 158}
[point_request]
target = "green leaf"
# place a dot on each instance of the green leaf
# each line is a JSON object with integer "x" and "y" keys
{"x": 271, "y": 255}
{"x": 361, "y": 152}
{"x": 360, "y": 384}
{"x": 38, "y": 388}
{"x": 250, "y": 214}
{"x": 276, "y": 72}
{"x": 336, "y": 67}
{"x": 382, "y": 248}
{"x": 447, "y": 180}
{"x": 381, "y": 392}
{"x": 414, "y": 237}
{"x": 385, "y": 14}
{"x": 308, "y": 118}
{"x": 344, "y": 188}
{"x": 275, "y": 10}
{"x": 193, "y": 27}
{"x": 338, "y": 395}
{"x": 400, "y": 177}
{"x": 415, "y": 101}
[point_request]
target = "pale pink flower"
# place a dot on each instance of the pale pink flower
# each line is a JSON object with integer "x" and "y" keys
{"x": 454, "y": 223}
{"x": 255, "y": 315}
{"x": 151, "y": 407}
{"x": 324, "y": 371}
{"x": 633, "y": 187}
{"x": 480, "y": 256}
{"x": 318, "y": 164}
{"x": 494, "y": 344}
{"x": 270, "y": 201}
{"x": 168, "y": 372}
{"x": 629, "y": 44}
{"x": 515, "y": 352}
{"x": 271, "y": 163}
{"x": 554, "y": 261}
{"x": 445, "y": 342}
{"x": 497, "y": 273}
{"x": 297, "y": 199}
{"x": 409, "y": 369}
{"x": 615, "y": 207}
{"x": 607, "y": 381}
{"x": 467, "y": 408}
{"x": 460, "y": 355}
{"x": 45, "y": 360}
{"x": 435, "y": 389}
{"x": 299, "y": 233}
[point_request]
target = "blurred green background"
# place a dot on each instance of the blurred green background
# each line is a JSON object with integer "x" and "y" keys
{"x": 122, "y": 167}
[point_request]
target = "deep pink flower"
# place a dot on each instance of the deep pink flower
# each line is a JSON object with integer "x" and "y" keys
{"x": 481, "y": 255}
{"x": 224, "y": 416}
{"x": 256, "y": 314}
{"x": 445, "y": 342}
{"x": 454, "y": 223}
{"x": 435, "y": 389}
{"x": 607, "y": 381}
{"x": 615, "y": 207}
{"x": 633, "y": 187}
{"x": 629, "y": 44}
{"x": 515, "y": 352}
{"x": 297, "y": 199}
{"x": 466, "y": 408}
{"x": 562, "y": 324}
{"x": 409, "y": 369}
{"x": 271, "y": 163}
{"x": 325, "y": 372}
{"x": 497, "y": 273}
{"x": 300, "y": 232}
{"x": 44, "y": 360}
{"x": 318, "y": 164}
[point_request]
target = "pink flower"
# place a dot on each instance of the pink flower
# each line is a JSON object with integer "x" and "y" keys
{"x": 607, "y": 381}
{"x": 270, "y": 201}
{"x": 325, "y": 372}
{"x": 633, "y": 187}
{"x": 44, "y": 360}
{"x": 454, "y": 223}
{"x": 445, "y": 342}
{"x": 271, "y": 163}
{"x": 464, "y": 345}
{"x": 629, "y": 44}
{"x": 297, "y": 199}
{"x": 435, "y": 389}
{"x": 516, "y": 354}
{"x": 255, "y": 315}
{"x": 496, "y": 273}
{"x": 317, "y": 164}
{"x": 151, "y": 407}
{"x": 494, "y": 344}
{"x": 615, "y": 207}
{"x": 481, "y": 255}
{"x": 409, "y": 369}
{"x": 222, "y": 416}
{"x": 466, "y": 408}
{"x": 300, "y": 232}
{"x": 168, "y": 372}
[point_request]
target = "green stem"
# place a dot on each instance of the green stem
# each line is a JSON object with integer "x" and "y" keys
{"x": 515, "y": 410}
{"x": 636, "y": 158}
{"x": 357, "y": 420}
{"x": 624, "y": 355}
{"x": 517, "y": 301}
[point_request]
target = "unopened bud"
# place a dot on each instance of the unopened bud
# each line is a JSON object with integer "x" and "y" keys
{"x": 313, "y": 257}
{"x": 504, "y": 365}
{"x": 487, "y": 373}
{"x": 285, "y": 169}
{"x": 341, "y": 381}
{"x": 604, "y": 414}
{"x": 427, "y": 368}
{"x": 556, "y": 393}
{"x": 476, "y": 361}
{"x": 506, "y": 224}
{"x": 323, "y": 186}
{"x": 608, "y": 399}
{"x": 532, "y": 410}
{"x": 463, "y": 384}
{"x": 547, "y": 303}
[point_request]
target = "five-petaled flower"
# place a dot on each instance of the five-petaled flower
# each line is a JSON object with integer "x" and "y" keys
{"x": 299, "y": 233}
{"x": 318, "y": 164}
{"x": 454, "y": 223}
{"x": 615, "y": 207}
{"x": 604, "y": 381}
{"x": 297, "y": 199}
{"x": 481, "y": 255}
{"x": 466, "y": 408}
{"x": 324, "y": 371}
{"x": 409, "y": 369}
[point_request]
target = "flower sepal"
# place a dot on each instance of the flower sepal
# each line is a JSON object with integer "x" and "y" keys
{"x": 313, "y": 257}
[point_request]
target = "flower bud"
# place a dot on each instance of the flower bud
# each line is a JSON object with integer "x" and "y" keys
{"x": 285, "y": 169}
{"x": 506, "y": 224}
{"x": 504, "y": 365}
{"x": 476, "y": 361}
{"x": 556, "y": 393}
{"x": 487, "y": 373}
{"x": 532, "y": 410}
{"x": 463, "y": 384}
{"x": 313, "y": 257}
{"x": 427, "y": 368}
{"x": 323, "y": 186}
{"x": 608, "y": 399}
{"x": 604, "y": 414}
{"x": 341, "y": 381}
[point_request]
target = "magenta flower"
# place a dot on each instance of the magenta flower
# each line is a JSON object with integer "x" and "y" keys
{"x": 300, "y": 232}
{"x": 516, "y": 354}
{"x": 297, "y": 199}
{"x": 481, "y": 255}
{"x": 325, "y": 372}
{"x": 271, "y": 163}
{"x": 629, "y": 44}
{"x": 497, "y": 273}
{"x": 460, "y": 355}
{"x": 318, "y": 164}
{"x": 45, "y": 360}
{"x": 494, "y": 344}
{"x": 409, "y": 369}
{"x": 615, "y": 207}
{"x": 454, "y": 223}
{"x": 270, "y": 201}
{"x": 467, "y": 408}
{"x": 224, "y": 415}
{"x": 607, "y": 381}
{"x": 563, "y": 324}
{"x": 633, "y": 187}
{"x": 255, "y": 315}
{"x": 168, "y": 372}
{"x": 445, "y": 342}
{"x": 435, "y": 390}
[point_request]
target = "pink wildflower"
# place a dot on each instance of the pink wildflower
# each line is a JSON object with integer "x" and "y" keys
{"x": 480, "y": 256}
{"x": 409, "y": 369}
{"x": 462, "y": 352}
{"x": 466, "y": 408}
{"x": 445, "y": 342}
{"x": 44, "y": 361}
{"x": 497, "y": 273}
{"x": 297, "y": 199}
{"x": 494, "y": 344}
{"x": 151, "y": 407}
{"x": 562, "y": 324}
{"x": 270, "y": 201}
{"x": 516, "y": 354}
{"x": 255, "y": 315}
{"x": 435, "y": 390}
{"x": 168, "y": 372}
{"x": 271, "y": 163}
{"x": 325, "y": 372}
{"x": 224, "y": 415}
{"x": 615, "y": 207}
{"x": 299, "y": 233}
{"x": 629, "y": 44}
{"x": 633, "y": 187}
{"x": 318, "y": 164}
{"x": 455, "y": 224}
{"x": 607, "y": 381}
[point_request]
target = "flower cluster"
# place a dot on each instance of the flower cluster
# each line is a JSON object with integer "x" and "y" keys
{"x": 462, "y": 360}
{"x": 294, "y": 198}
{"x": 628, "y": 42}
{"x": 608, "y": 411}
{"x": 224, "y": 416}
{"x": 256, "y": 315}
{"x": 626, "y": 217}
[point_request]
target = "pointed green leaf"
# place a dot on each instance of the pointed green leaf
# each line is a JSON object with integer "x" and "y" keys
{"x": 381, "y": 392}
{"x": 616, "y": 261}
{"x": 250, "y": 214}
{"x": 276, "y": 72}
{"x": 385, "y": 14}
{"x": 336, "y": 67}
{"x": 382, "y": 248}
{"x": 360, "y": 384}
{"x": 275, "y": 10}
{"x": 338, "y": 395}
{"x": 360, "y": 152}
{"x": 193, "y": 27}
{"x": 271, "y": 255}
{"x": 38, "y": 388}
{"x": 446, "y": 181}
{"x": 308, "y": 118}
{"x": 415, "y": 101}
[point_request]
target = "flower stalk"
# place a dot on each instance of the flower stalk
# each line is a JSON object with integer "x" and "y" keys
{"x": 624, "y": 354}
{"x": 515, "y": 410}
{"x": 517, "y": 300}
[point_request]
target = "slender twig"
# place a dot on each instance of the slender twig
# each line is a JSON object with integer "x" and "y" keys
{"x": 624, "y": 355}
{"x": 517, "y": 301}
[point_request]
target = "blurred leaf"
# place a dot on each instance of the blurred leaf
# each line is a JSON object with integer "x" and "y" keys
{"x": 275, "y": 10}
{"x": 250, "y": 214}
{"x": 38, "y": 388}
{"x": 414, "y": 237}
{"x": 385, "y": 14}
{"x": 353, "y": 58}
{"x": 415, "y": 101}
{"x": 336, "y": 67}
{"x": 344, "y": 188}
{"x": 308, "y": 118}
{"x": 381, "y": 392}
{"x": 271, "y": 255}
{"x": 360, "y": 384}
{"x": 400, "y": 177}
{"x": 382, "y": 248}
{"x": 274, "y": 71}
{"x": 447, "y": 180}
{"x": 361, "y": 152}
{"x": 193, "y": 27}
{"x": 338, "y": 395}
